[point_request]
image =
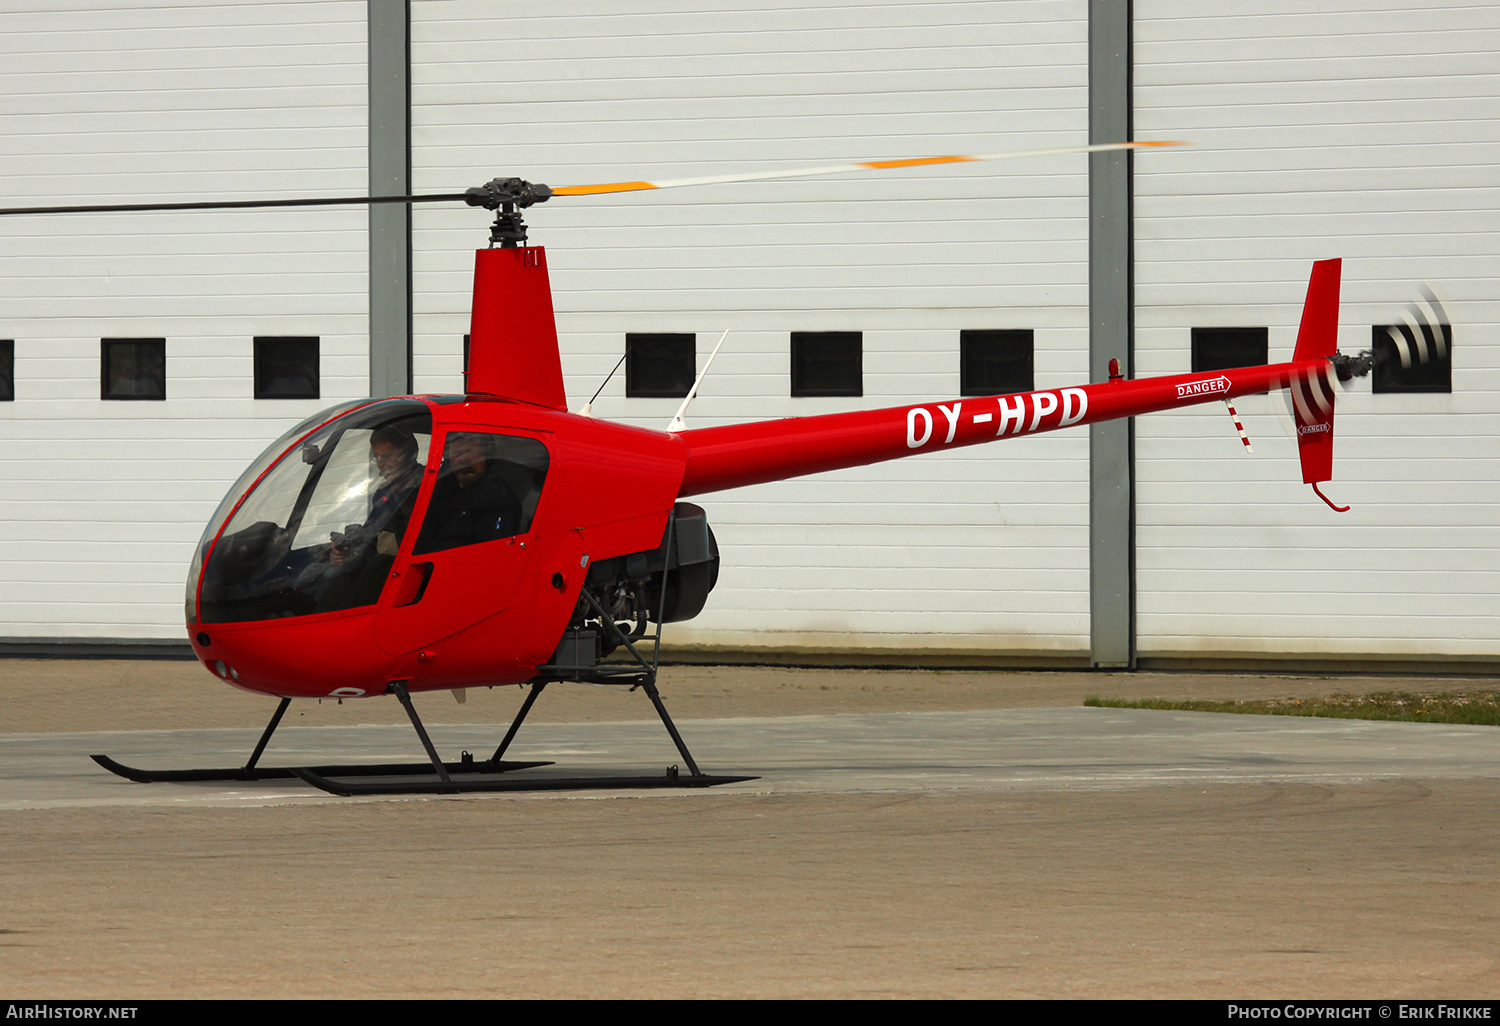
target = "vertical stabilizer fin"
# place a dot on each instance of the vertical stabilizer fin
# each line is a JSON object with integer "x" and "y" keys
{"x": 1312, "y": 392}
{"x": 1319, "y": 332}
{"x": 513, "y": 335}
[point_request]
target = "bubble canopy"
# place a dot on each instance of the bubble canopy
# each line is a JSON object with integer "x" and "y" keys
{"x": 313, "y": 526}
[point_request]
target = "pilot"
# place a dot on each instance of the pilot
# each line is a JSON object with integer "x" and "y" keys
{"x": 350, "y": 569}
{"x": 472, "y": 502}
{"x": 393, "y": 450}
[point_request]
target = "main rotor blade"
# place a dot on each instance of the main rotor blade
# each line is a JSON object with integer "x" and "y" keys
{"x": 578, "y": 190}
{"x": 868, "y": 165}
{"x": 330, "y": 201}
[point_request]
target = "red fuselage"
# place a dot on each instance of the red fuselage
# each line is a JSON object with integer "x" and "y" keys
{"x": 488, "y": 613}
{"x": 333, "y": 567}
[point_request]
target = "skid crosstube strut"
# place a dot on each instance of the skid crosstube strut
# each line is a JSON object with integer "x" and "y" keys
{"x": 329, "y": 778}
{"x": 445, "y": 784}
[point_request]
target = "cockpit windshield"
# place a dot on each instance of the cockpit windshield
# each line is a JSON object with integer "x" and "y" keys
{"x": 321, "y": 530}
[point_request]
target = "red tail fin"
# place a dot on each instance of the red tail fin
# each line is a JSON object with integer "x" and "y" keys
{"x": 1319, "y": 333}
{"x": 513, "y": 336}
{"x": 1312, "y": 394}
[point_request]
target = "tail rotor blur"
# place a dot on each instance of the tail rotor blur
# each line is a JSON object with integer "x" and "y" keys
{"x": 1423, "y": 336}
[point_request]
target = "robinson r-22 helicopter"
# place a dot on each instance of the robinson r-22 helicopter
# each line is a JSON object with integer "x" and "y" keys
{"x": 440, "y": 542}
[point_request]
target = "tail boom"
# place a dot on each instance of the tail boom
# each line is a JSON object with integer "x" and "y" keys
{"x": 745, "y": 454}
{"x": 737, "y": 455}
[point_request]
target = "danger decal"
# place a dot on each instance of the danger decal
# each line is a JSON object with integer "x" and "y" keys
{"x": 1208, "y": 386}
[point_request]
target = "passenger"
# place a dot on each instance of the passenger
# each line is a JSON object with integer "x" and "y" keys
{"x": 472, "y": 502}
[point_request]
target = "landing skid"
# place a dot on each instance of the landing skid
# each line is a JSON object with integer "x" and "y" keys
{"x": 404, "y": 769}
{"x": 466, "y": 768}
{"x": 349, "y": 788}
{"x": 250, "y": 771}
{"x": 323, "y": 777}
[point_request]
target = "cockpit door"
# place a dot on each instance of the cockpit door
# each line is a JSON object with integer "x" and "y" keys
{"x": 470, "y": 553}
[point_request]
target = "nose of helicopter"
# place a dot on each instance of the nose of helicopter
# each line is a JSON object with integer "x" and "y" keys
{"x": 282, "y": 593}
{"x": 324, "y": 658}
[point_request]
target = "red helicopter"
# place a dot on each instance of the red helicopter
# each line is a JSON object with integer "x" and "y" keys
{"x": 437, "y": 542}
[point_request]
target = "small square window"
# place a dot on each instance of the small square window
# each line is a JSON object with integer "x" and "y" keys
{"x": 286, "y": 367}
{"x": 828, "y": 363}
{"x": 133, "y": 368}
{"x": 996, "y": 362}
{"x": 7, "y": 369}
{"x": 660, "y": 365}
{"x": 1406, "y": 362}
{"x": 1226, "y": 348}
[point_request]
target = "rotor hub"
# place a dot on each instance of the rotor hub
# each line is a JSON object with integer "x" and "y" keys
{"x": 506, "y": 195}
{"x": 1347, "y": 367}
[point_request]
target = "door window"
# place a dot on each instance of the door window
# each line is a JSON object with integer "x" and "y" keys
{"x": 488, "y": 487}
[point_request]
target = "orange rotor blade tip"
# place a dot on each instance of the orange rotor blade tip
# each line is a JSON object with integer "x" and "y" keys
{"x": 880, "y": 165}
{"x": 1164, "y": 142}
{"x": 596, "y": 190}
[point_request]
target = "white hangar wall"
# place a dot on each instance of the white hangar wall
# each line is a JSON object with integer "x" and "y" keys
{"x": 983, "y": 550}
{"x": 1363, "y": 130}
{"x": 102, "y": 502}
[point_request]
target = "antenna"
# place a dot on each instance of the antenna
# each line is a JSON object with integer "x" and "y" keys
{"x": 588, "y": 407}
{"x": 677, "y": 421}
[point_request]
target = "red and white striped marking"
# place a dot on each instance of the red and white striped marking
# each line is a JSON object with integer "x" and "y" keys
{"x": 1238, "y": 426}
